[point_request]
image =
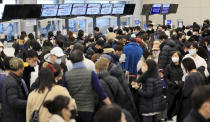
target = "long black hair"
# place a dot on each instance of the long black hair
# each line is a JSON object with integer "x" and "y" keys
{"x": 46, "y": 80}
{"x": 152, "y": 71}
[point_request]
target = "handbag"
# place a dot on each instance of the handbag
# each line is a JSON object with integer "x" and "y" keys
{"x": 35, "y": 115}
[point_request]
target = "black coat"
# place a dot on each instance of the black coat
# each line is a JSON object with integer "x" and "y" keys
{"x": 112, "y": 87}
{"x": 117, "y": 71}
{"x": 14, "y": 100}
{"x": 194, "y": 116}
{"x": 151, "y": 96}
{"x": 172, "y": 73}
{"x": 27, "y": 75}
{"x": 192, "y": 80}
{"x": 166, "y": 49}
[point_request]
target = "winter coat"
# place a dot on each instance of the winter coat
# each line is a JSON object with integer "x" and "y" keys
{"x": 35, "y": 99}
{"x": 195, "y": 116}
{"x": 192, "y": 80}
{"x": 151, "y": 97}
{"x": 117, "y": 71}
{"x": 172, "y": 73}
{"x": 166, "y": 49}
{"x": 3, "y": 76}
{"x": 92, "y": 50}
{"x": 112, "y": 87}
{"x": 133, "y": 54}
{"x": 27, "y": 75}
{"x": 14, "y": 100}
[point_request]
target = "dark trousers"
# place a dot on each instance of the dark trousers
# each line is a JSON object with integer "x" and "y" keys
{"x": 84, "y": 116}
{"x": 149, "y": 119}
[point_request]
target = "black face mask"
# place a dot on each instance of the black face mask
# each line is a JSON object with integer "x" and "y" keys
{"x": 74, "y": 114}
{"x": 100, "y": 51}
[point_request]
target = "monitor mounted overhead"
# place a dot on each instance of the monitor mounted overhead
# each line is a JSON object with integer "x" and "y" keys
{"x": 156, "y": 8}
{"x": 49, "y": 10}
{"x": 146, "y": 10}
{"x": 118, "y": 9}
{"x": 165, "y": 9}
{"x": 129, "y": 9}
{"x": 106, "y": 9}
{"x": 93, "y": 9}
{"x": 79, "y": 9}
{"x": 64, "y": 10}
{"x": 173, "y": 8}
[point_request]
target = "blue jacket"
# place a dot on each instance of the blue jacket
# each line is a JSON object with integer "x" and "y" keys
{"x": 133, "y": 54}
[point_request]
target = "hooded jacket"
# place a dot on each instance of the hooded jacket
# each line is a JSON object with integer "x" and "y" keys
{"x": 133, "y": 54}
{"x": 166, "y": 49}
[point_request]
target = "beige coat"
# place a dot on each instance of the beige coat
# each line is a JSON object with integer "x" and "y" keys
{"x": 35, "y": 99}
{"x": 110, "y": 35}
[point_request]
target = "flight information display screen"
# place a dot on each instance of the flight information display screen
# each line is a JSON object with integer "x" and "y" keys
{"x": 156, "y": 8}
{"x": 79, "y": 9}
{"x": 118, "y": 8}
{"x": 165, "y": 8}
{"x": 93, "y": 9}
{"x": 106, "y": 9}
{"x": 49, "y": 10}
{"x": 64, "y": 10}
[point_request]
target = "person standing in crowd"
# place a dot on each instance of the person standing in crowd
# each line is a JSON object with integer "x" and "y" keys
{"x": 199, "y": 62}
{"x": 60, "y": 36}
{"x": 14, "y": 93}
{"x": 110, "y": 84}
{"x": 2, "y": 56}
{"x": 200, "y": 105}
{"x": 192, "y": 80}
{"x": 133, "y": 53}
{"x": 137, "y": 31}
{"x": 150, "y": 29}
{"x": 46, "y": 87}
{"x": 150, "y": 90}
{"x": 95, "y": 48}
{"x": 173, "y": 78}
{"x": 20, "y": 46}
{"x": 62, "y": 109}
{"x": 110, "y": 34}
{"x": 110, "y": 114}
{"x": 55, "y": 56}
{"x": 116, "y": 54}
{"x": 166, "y": 48}
{"x": 31, "y": 62}
{"x": 97, "y": 33}
{"x": 82, "y": 85}
{"x": 88, "y": 63}
{"x": 180, "y": 43}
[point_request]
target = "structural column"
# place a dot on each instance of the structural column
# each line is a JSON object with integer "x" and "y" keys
{"x": 137, "y": 12}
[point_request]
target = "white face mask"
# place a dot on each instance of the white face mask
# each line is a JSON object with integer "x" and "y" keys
{"x": 150, "y": 29}
{"x": 26, "y": 38}
{"x": 192, "y": 52}
{"x": 58, "y": 60}
{"x": 1, "y": 49}
{"x": 194, "y": 33}
{"x": 175, "y": 59}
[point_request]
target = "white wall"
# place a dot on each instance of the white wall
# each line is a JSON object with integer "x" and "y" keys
{"x": 189, "y": 10}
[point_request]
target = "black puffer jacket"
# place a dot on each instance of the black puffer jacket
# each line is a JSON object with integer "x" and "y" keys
{"x": 151, "y": 97}
{"x": 112, "y": 87}
{"x": 14, "y": 100}
{"x": 166, "y": 49}
{"x": 192, "y": 81}
{"x": 172, "y": 73}
{"x": 116, "y": 71}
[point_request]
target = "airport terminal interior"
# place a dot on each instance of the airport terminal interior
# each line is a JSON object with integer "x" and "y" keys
{"x": 104, "y": 61}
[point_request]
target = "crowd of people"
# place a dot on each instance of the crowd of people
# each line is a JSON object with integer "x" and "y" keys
{"x": 129, "y": 74}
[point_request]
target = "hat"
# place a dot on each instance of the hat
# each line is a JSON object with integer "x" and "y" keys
{"x": 57, "y": 51}
{"x": 156, "y": 45}
{"x": 100, "y": 42}
{"x": 138, "y": 40}
{"x": 106, "y": 56}
{"x": 1, "y": 45}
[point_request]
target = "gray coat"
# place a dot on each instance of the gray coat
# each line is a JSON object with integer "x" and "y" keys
{"x": 14, "y": 100}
